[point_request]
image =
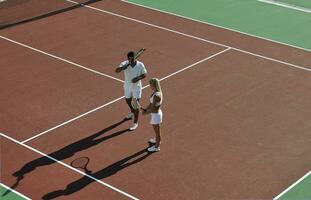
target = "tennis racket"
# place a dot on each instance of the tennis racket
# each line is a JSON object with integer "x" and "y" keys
{"x": 81, "y": 163}
{"x": 138, "y": 53}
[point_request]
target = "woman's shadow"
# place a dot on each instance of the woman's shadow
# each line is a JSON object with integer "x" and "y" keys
{"x": 66, "y": 152}
{"x": 101, "y": 174}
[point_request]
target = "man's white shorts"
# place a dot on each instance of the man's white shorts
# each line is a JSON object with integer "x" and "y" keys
{"x": 131, "y": 90}
{"x": 156, "y": 118}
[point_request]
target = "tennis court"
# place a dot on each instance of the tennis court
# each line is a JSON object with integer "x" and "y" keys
{"x": 236, "y": 103}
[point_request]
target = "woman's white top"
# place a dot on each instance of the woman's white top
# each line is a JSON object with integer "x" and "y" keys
{"x": 159, "y": 94}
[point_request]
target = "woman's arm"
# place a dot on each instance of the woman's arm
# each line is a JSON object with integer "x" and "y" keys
{"x": 147, "y": 110}
{"x": 152, "y": 106}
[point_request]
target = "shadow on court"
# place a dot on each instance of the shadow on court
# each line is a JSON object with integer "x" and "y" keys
{"x": 101, "y": 174}
{"x": 66, "y": 152}
{"x": 37, "y": 15}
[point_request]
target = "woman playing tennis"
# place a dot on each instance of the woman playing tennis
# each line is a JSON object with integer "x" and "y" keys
{"x": 156, "y": 114}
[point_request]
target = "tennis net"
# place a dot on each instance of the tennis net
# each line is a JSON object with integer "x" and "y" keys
{"x": 14, "y": 12}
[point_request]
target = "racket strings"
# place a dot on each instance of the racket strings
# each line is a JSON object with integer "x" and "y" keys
{"x": 80, "y": 162}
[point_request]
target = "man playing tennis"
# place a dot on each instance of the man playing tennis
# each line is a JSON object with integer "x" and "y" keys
{"x": 134, "y": 72}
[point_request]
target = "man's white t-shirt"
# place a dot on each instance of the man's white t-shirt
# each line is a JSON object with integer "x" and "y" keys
{"x": 132, "y": 72}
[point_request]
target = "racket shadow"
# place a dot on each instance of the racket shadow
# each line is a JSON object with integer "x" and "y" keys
{"x": 101, "y": 174}
{"x": 81, "y": 163}
{"x": 69, "y": 150}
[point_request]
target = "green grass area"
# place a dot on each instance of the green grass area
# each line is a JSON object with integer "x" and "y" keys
{"x": 300, "y": 3}
{"x": 10, "y": 194}
{"x": 248, "y": 16}
{"x": 302, "y": 191}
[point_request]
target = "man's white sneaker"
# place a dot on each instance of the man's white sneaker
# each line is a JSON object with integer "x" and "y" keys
{"x": 134, "y": 126}
{"x": 152, "y": 141}
{"x": 129, "y": 116}
{"x": 153, "y": 149}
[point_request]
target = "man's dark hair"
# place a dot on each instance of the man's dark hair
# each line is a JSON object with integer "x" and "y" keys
{"x": 130, "y": 54}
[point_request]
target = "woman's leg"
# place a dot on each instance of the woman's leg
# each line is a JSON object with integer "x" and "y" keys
{"x": 157, "y": 130}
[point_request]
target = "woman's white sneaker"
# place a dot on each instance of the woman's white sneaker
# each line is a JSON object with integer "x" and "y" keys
{"x": 153, "y": 149}
{"x": 152, "y": 141}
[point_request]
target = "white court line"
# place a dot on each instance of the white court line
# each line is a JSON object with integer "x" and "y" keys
{"x": 285, "y": 5}
{"x": 201, "y": 39}
{"x": 59, "y": 58}
{"x": 102, "y": 106}
{"x": 215, "y": 25}
{"x": 275, "y": 60}
{"x": 191, "y": 36}
{"x": 228, "y": 48}
{"x": 146, "y": 23}
{"x": 70, "y": 167}
{"x": 19, "y": 194}
{"x": 71, "y": 120}
{"x": 183, "y": 69}
{"x": 296, "y": 66}
{"x": 293, "y": 185}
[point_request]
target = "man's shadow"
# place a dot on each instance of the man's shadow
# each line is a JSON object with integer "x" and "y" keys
{"x": 66, "y": 152}
{"x": 101, "y": 174}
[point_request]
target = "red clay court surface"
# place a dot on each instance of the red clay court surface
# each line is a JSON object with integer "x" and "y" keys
{"x": 234, "y": 119}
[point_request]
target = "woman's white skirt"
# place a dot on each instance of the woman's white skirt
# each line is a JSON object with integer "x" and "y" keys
{"x": 156, "y": 118}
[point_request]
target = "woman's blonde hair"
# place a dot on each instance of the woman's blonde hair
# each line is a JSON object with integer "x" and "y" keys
{"x": 156, "y": 83}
